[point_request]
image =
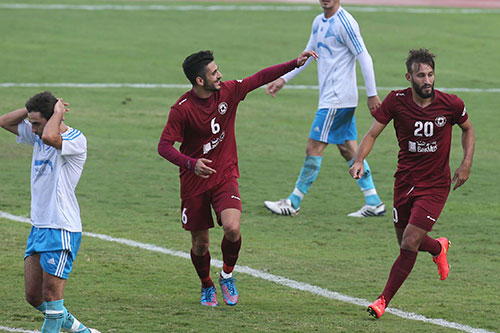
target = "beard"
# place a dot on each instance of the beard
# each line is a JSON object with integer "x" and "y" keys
{"x": 420, "y": 90}
{"x": 210, "y": 86}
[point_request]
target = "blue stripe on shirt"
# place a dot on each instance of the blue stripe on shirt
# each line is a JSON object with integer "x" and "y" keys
{"x": 350, "y": 32}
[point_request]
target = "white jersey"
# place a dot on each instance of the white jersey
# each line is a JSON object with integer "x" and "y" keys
{"x": 337, "y": 40}
{"x": 54, "y": 176}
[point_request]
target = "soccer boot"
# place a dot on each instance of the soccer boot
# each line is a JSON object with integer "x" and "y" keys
{"x": 367, "y": 211}
{"x": 377, "y": 308}
{"x": 209, "y": 296}
{"x": 441, "y": 260}
{"x": 282, "y": 207}
{"x": 229, "y": 291}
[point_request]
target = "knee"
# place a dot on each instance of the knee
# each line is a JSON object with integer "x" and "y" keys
{"x": 410, "y": 243}
{"x": 232, "y": 232}
{"x": 200, "y": 247}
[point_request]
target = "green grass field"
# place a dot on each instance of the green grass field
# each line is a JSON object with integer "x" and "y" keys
{"x": 128, "y": 191}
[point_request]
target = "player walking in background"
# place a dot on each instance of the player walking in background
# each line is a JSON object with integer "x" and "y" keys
{"x": 59, "y": 153}
{"x": 423, "y": 119}
{"x": 337, "y": 40}
{"x": 203, "y": 120}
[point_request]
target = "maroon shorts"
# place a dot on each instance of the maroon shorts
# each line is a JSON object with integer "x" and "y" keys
{"x": 419, "y": 206}
{"x": 196, "y": 213}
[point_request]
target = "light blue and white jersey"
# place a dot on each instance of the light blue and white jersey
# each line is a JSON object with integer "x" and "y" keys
{"x": 54, "y": 176}
{"x": 337, "y": 40}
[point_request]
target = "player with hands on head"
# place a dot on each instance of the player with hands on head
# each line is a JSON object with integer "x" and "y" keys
{"x": 336, "y": 37}
{"x": 203, "y": 120}
{"x": 423, "y": 118}
{"x": 59, "y": 154}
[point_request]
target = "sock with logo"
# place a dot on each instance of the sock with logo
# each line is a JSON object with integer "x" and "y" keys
{"x": 202, "y": 266}
{"x": 430, "y": 245}
{"x": 308, "y": 174}
{"x": 230, "y": 252}
{"x": 399, "y": 272}
{"x": 54, "y": 316}
{"x": 367, "y": 186}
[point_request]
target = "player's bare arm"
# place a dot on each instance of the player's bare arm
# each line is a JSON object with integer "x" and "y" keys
{"x": 275, "y": 86}
{"x": 10, "y": 120}
{"x": 365, "y": 148}
{"x": 373, "y": 103}
{"x": 51, "y": 133}
{"x": 463, "y": 171}
{"x": 302, "y": 58}
{"x": 202, "y": 169}
{"x": 278, "y": 84}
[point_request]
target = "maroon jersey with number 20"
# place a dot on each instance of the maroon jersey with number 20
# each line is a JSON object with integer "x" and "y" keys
{"x": 424, "y": 135}
{"x": 206, "y": 128}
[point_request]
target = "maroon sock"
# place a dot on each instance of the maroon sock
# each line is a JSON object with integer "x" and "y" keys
{"x": 430, "y": 245}
{"x": 399, "y": 272}
{"x": 230, "y": 251}
{"x": 202, "y": 266}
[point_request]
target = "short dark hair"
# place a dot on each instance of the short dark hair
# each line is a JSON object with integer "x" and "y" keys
{"x": 195, "y": 65}
{"x": 420, "y": 56}
{"x": 43, "y": 102}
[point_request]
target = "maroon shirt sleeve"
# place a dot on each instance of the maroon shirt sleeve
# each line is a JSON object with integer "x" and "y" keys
{"x": 459, "y": 111}
{"x": 167, "y": 150}
{"x": 385, "y": 112}
{"x": 262, "y": 77}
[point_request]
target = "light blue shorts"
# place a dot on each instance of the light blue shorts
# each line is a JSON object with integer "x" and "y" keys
{"x": 57, "y": 248}
{"x": 334, "y": 126}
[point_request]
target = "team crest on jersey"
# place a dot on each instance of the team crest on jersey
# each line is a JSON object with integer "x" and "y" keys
{"x": 440, "y": 121}
{"x": 222, "y": 107}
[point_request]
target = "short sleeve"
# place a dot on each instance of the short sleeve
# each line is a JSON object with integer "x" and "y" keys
{"x": 385, "y": 113}
{"x": 25, "y": 134}
{"x": 73, "y": 143}
{"x": 459, "y": 111}
{"x": 174, "y": 129}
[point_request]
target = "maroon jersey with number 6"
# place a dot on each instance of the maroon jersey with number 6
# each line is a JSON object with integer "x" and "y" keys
{"x": 206, "y": 128}
{"x": 424, "y": 135}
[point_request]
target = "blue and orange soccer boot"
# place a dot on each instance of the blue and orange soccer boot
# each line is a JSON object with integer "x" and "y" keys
{"x": 441, "y": 260}
{"x": 377, "y": 308}
{"x": 229, "y": 291}
{"x": 209, "y": 296}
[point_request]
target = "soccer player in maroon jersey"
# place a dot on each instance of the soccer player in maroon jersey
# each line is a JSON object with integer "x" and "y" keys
{"x": 423, "y": 119}
{"x": 203, "y": 120}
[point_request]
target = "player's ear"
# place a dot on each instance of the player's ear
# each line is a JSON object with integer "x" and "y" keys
{"x": 408, "y": 76}
{"x": 200, "y": 81}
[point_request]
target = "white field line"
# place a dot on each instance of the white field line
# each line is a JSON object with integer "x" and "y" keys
{"x": 246, "y": 8}
{"x": 187, "y": 86}
{"x": 269, "y": 277}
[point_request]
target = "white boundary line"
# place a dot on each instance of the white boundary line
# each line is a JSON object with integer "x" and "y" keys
{"x": 247, "y": 8}
{"x": 269, "y": 277}
{"x": 187, "y": 86}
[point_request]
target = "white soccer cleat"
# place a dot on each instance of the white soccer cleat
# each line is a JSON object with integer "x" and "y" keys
{"x": 282, "y": 207}
{"x": 367, "y": 211}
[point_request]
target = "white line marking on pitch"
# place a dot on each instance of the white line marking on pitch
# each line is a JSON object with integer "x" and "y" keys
{"x": 246, "y": 8}
{"x": 187, "y": 86}
{"x": 269, "y": 277}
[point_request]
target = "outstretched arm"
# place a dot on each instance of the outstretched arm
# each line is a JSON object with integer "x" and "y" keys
{"x": 10, "y": 120}
{"x": 272, "y": 73}
{"x": 462, "y": 173}
{"x": 365, "y": 148}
